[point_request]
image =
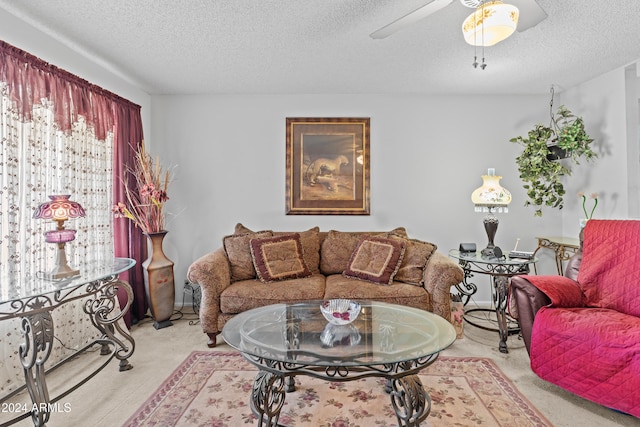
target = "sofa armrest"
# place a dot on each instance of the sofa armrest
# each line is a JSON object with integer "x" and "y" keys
{"x": 213, "y": 274}
{"x": 440, "y": 274}
{"x": 529, "y": 293}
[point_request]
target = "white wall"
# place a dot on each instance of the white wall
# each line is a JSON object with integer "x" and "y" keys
{"x": 632, "y": 78}
{"x": 632, "y": 84}
{"x": 602, "y": 102}
{"x": 427, "y": 156}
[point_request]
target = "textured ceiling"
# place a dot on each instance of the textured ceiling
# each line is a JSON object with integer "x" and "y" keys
{"x": 323, "y": 46}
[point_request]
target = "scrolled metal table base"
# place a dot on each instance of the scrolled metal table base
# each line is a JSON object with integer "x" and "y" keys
{"x": 500, "y": 271}
{"x": 267, "y": 398}
{"x": 37, "y": 328}
{"x": 104, "y": 316}
{"x": 409, "y": 399}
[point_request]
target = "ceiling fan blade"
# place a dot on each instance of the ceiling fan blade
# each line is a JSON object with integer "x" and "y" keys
{"x": 531, "y": 14}
{"x": 410, "y": 18}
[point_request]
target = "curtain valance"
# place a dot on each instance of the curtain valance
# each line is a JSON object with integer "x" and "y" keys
{"x": 33, "y": 81}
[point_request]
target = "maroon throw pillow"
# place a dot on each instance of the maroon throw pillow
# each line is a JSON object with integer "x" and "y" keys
{"x": 375, "y": 259}
{"x": 278, "y": 258}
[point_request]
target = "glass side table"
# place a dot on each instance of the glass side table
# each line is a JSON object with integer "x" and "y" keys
{"x": 32, "y": 300}
{"x": 500, "y": 270}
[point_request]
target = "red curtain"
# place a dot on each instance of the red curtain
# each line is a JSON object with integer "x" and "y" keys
{"x": 128, "y": 239}
{"x": 29, "y": 81}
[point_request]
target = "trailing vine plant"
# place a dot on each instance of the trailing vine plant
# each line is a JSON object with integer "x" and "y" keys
{"x": 539, "y": 169}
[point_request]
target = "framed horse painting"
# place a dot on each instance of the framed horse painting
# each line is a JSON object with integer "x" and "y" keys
{"x": 327, "y": 166}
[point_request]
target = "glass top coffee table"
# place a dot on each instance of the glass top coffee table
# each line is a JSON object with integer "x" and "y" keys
{"x": 385, "y": 340}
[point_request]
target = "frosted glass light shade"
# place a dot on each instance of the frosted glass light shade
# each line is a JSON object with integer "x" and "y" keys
{"x": 491, "y": 193}
{"x": 60, "y": 208}
{"x": 491, "y": 23}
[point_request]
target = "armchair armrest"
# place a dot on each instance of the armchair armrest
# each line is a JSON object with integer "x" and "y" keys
{"x": 530, "y": 293}
{"x": 440, "y": 274}
{"x": 525, "y": 301}
{"x": 213, "y": 274}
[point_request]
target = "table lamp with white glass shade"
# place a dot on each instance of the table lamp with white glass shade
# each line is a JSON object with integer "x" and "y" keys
{"x": 491, "y": 197}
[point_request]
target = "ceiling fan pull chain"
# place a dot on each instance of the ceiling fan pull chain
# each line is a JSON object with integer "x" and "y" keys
{"x": 475, "y": 56}
{"x": 475, "y": 42}
{"x": 483, "y": 66}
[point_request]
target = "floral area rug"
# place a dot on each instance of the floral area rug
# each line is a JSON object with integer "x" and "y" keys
{"x": 212, "y": 389}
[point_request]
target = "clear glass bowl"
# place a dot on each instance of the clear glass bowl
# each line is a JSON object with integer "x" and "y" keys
{"x": 340, "y": 311}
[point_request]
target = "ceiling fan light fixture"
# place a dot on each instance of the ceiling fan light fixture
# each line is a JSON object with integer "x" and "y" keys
{"x": 471, "y": 3}
{"x": 491, "y": 23}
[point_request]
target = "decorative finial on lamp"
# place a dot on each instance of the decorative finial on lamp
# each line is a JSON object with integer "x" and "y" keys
{"x": 60, "y": 209}
{"x": 491, "y": 197}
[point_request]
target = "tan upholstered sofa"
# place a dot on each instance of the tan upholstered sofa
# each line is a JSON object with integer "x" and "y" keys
{"x": 254, "y": 269}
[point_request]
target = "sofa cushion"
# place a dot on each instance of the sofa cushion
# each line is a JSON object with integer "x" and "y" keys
{"x": 398, "y": 231}
{"x": 241, "y": 229}
{"x": 375, "y": 259}
{"x": 278, "y": 258}
{"x": 336, "y": 251}
{"x": 238, "y": 251}
{"x": 416, "y": 256}
{"x": 310, "y": 248}
{"x": 310, "y": 245}
{"x": 247, "y": 294}
{"x": 338, "y": 246}
{"x": 339, "y": 286}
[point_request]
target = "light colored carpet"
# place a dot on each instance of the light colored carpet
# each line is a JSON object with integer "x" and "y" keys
{"x": 111, "y": 397}
{"x": 213, "y": 389}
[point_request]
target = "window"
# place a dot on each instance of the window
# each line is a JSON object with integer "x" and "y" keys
{"x": 60, "y": 134}
{"x": 38, "y": 159}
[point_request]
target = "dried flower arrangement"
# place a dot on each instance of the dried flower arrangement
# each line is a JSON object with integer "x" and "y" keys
{"x": 145, "y": 201}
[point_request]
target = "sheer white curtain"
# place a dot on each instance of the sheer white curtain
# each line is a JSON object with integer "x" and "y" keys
{"x": 37, "y": 159}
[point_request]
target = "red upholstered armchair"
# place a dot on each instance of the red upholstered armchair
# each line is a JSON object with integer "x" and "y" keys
{"x": 582, "y": 330}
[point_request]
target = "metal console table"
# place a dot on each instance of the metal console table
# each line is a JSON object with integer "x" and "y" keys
{"x": 33, "y": 301}
{"x": 500, "y": 270}
{"x": 563, "y": 248}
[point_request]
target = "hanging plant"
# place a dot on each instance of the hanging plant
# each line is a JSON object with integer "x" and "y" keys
{"x": 538, "y": 164}
{"x": 571, "y": 136}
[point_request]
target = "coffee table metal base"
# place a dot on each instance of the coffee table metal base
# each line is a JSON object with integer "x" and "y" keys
{"x": 409, "y": 399}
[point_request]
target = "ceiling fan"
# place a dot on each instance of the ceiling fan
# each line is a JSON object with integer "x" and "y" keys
{"x": 530, "y": 15}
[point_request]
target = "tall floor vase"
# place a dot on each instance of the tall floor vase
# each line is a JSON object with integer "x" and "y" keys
{"x": 159, "y": 281}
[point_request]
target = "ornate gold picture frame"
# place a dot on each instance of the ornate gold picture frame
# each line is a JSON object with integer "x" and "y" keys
{"x": 327, "y": 166}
